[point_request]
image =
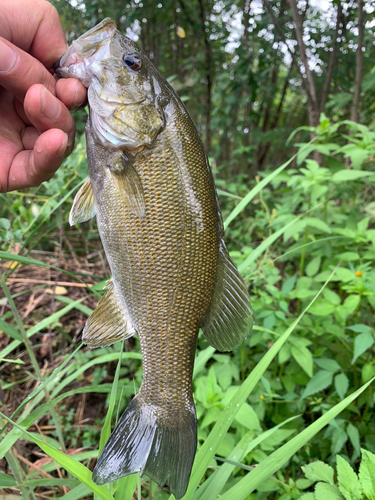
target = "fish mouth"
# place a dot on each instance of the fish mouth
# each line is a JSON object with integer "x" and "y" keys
{"x": 84, "y": 51}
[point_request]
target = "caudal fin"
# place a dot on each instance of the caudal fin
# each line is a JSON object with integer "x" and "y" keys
{"x": 145, "y": 441}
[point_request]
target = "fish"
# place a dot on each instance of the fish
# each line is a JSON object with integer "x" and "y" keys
{"x": 151, "y": 189}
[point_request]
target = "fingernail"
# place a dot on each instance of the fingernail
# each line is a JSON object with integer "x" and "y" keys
{"x": 8, "y": 58}
{"x": 51, "y": 108}
{"x": 64, "y": 144}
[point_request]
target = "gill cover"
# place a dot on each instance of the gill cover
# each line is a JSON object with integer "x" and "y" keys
{"x": 124, "y": 113}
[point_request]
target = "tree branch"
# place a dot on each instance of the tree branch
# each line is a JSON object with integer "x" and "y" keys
{"x": 327, "y": 82}
{"x": 358, "y": 64}
{"x": 282, "y": 36}
{"x": 311, "y": 92}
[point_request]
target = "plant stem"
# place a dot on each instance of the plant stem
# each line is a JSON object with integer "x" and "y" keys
{"x": 18, "y": 474}
{"x": 33, "y": 359}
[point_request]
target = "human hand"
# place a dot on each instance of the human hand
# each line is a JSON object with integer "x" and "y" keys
{"x": 36, "y": 129}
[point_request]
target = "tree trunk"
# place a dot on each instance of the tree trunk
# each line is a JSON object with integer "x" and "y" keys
{"x": 310, "y": 85}
{"x": 207, "y": 52}
{"x": 359, "y": 64}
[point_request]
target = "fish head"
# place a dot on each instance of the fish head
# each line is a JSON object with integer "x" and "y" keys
{"x": 125, "y": 96}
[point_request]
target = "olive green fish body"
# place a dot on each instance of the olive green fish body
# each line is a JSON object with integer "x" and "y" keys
{"x": 151, "y": 189}
{"x": 163, "y": 264}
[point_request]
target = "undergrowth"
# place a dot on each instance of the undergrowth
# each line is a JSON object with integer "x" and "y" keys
{"x": 276, "y": 416}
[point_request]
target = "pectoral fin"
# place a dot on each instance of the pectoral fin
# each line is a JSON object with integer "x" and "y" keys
{"x": 83, "y": 205}
{"x": 128, "y": 183}
{"x": 107, "y": 323}
{"x": 229, "y": 320}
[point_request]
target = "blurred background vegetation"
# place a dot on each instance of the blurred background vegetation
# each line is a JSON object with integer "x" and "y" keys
{"x": 261, "y": 79}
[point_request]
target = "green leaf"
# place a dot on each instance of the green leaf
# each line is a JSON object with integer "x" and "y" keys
{"x": 319, "y": 471}
{"x": 351, "y": 303}
{"x": 339, "y": 438}
{"x": 332, "y": 296}
{"x": 360, "y": 328}
{"x": 341, "y": 384}
{"x": 7, "y": 481}
{"x": 322, "y": 308}
{"x": 212, "y": 442}
{"x": 313, "y": 266}
{"x": 247, "y": 417}
{"x": 272, "y": 463}
{"x": 77, "y": 493}
{"x": 348, "y": 256}
{"x": 328, "y": 364}
{"x": 10, "y": 330}
{"x": 320, "y": 381}
{"x": 288, "y": 285}
{"x": 324, "y": 491}
{"x": 308, "y": 496}
{"x": 75, "y": 468}
{"x": 318, "y": 224}
{"x": 354, "y": 437}
{"x": 349, "y": 484}
{"x": 362, "y": 342}
{"x": 349, "y": 175}
{"x": 304, "y": 358}
{"x": 367, "y": 372}
{"x": 367, "y": 474}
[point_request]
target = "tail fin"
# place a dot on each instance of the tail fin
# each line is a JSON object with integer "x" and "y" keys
{"x": 145, "y": 441}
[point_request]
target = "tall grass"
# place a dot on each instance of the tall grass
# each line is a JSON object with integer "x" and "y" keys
{"x": 49, "y": 394}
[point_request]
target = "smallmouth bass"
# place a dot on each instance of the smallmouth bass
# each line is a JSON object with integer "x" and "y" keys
{"x": 152, "y": 191}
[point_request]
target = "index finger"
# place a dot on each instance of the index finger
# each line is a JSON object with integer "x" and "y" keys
{"x": 34, "y": 27}
{"x": 19, "y": 71}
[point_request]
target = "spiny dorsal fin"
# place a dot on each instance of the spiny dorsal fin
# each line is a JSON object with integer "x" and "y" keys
{"x": 230, "y": 319}
{"x": 83, "y": 205}
{"x": 128, "y": 182}
{"x": 107, "y": 323}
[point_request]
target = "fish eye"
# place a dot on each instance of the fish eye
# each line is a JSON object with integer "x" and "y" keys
{"x": 132, "y": 61}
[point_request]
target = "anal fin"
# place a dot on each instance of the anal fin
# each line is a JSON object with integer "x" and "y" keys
{"x": 230, "y": 319}
{"x": 83, "y": 207}
{"x": 107, "y": 323}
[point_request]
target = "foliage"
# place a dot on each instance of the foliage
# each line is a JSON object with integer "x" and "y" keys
{"x": 349, "y": 485}
{"x": 303, "y": 387}
{"x": 321, "y": 360}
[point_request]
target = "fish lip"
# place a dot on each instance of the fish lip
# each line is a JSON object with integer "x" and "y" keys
{"x": 69, "y": 58}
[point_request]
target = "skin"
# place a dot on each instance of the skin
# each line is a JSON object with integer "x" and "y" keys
{"x": 36, "y": 128}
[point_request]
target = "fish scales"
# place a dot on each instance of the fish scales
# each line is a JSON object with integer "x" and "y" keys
{"x": 152, "y": 191}
{"x": 168, "y": 286}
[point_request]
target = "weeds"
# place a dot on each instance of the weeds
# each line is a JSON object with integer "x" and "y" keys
{"x": 299, "y": 391}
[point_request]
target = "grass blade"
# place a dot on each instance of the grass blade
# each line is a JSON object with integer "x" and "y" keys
{"x": 77, "y": 493}
{"x": 211, "y": 444}
{"x": 106, "y": 432}
{"x": 265, "y": 244}
{"x": 78, "y": 470}
{"x": 8, "y": 441}
{"x": 126, "y": 487}
{"x": 276, "y": 460}
{"x": 40, "y": 326}
{"x": 251, "y": 194}
{"x": 27, "y": 260}
{"x": 243, "y": 448}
